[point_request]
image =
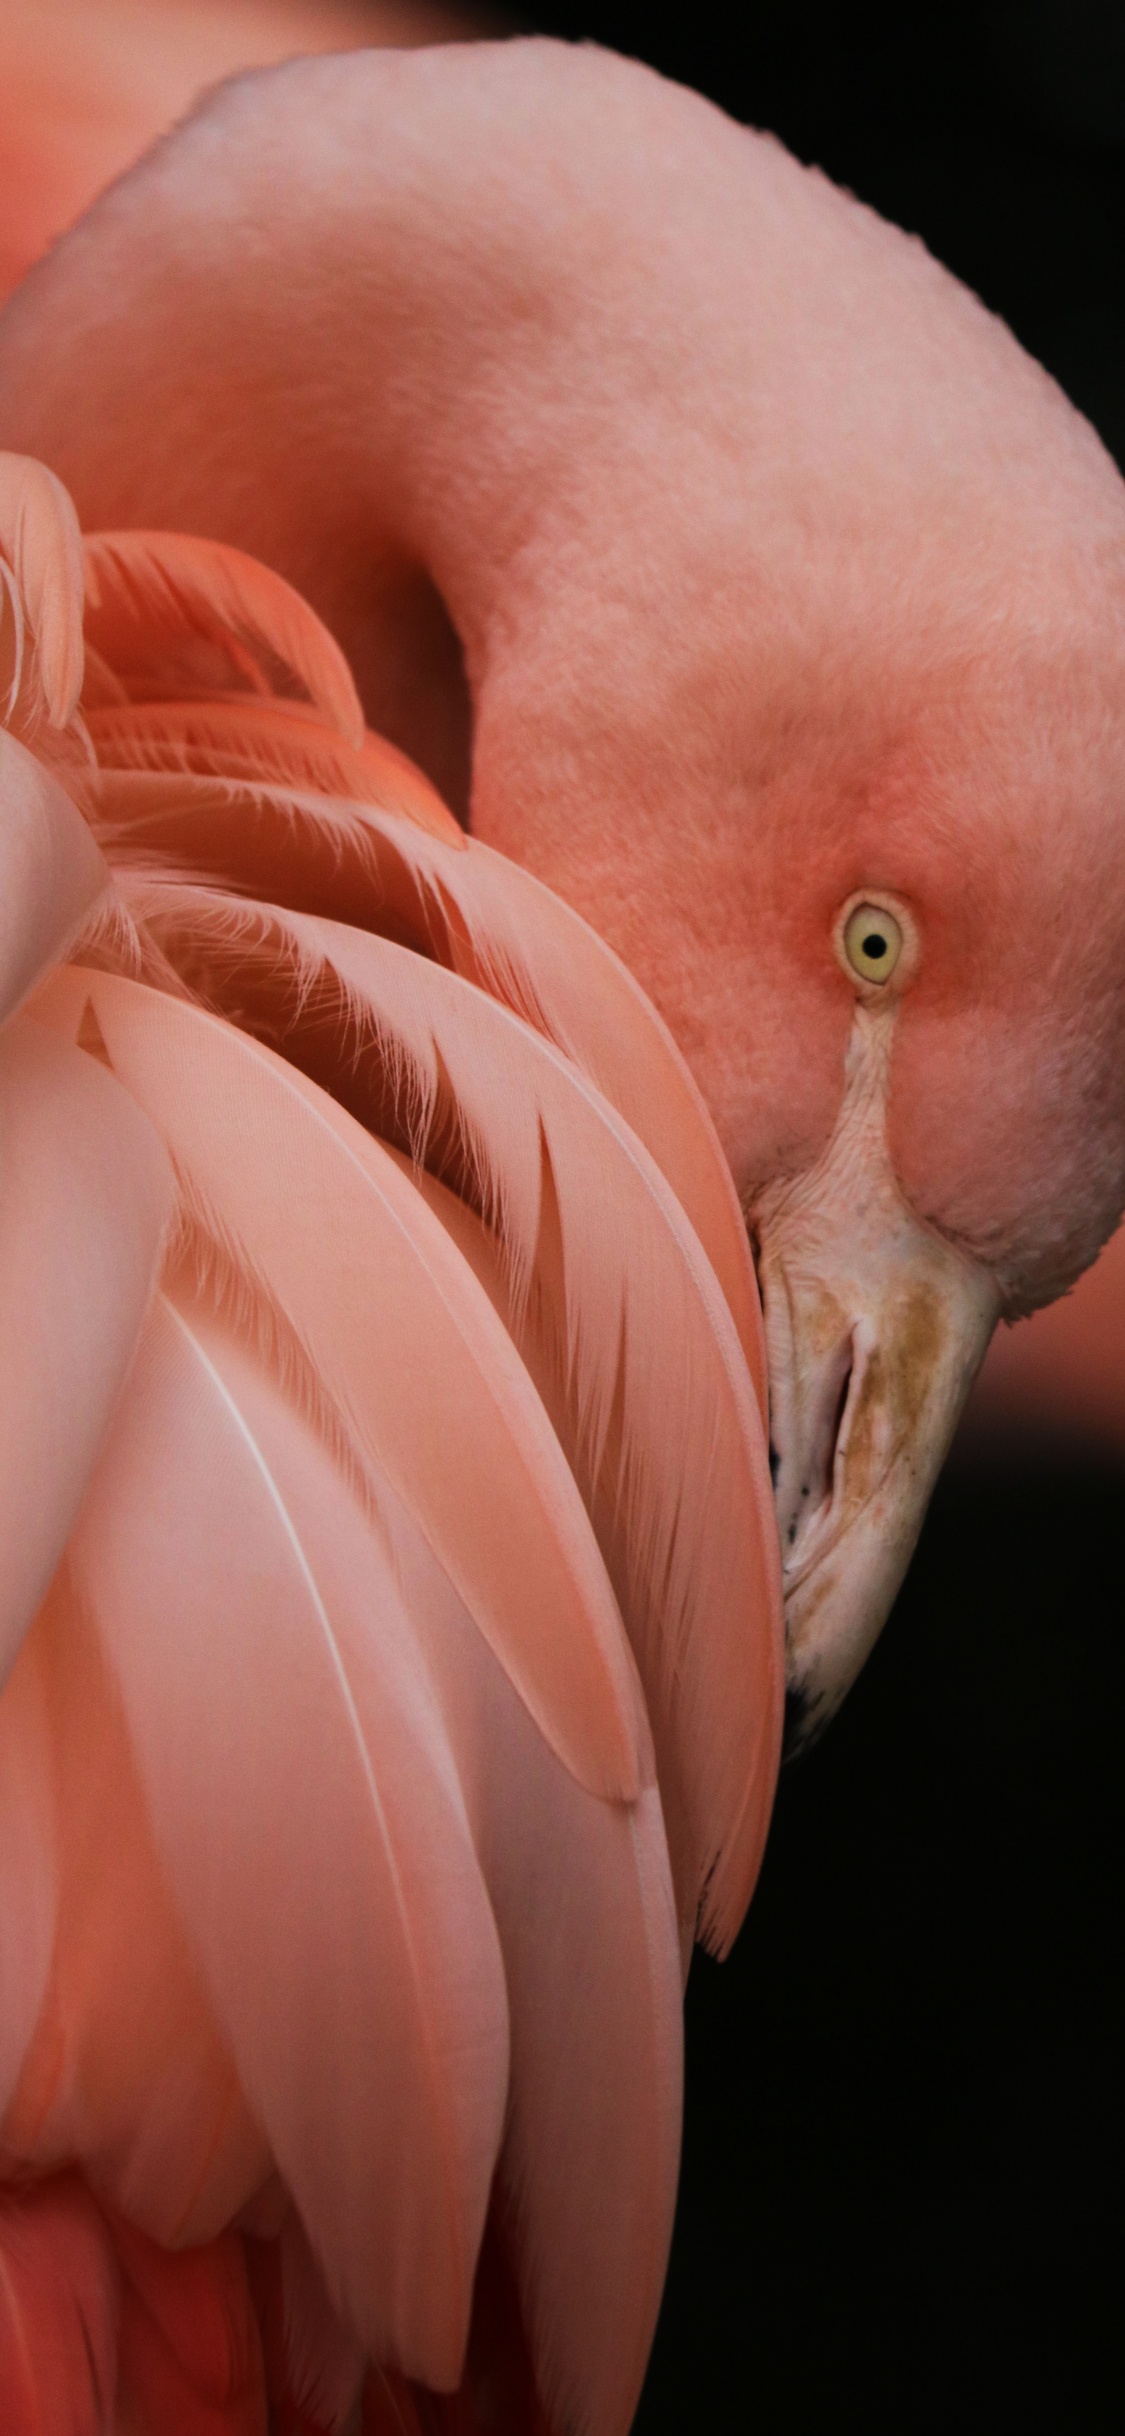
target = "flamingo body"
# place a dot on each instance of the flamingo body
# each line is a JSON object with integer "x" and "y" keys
{"x": 377, "y": 1590}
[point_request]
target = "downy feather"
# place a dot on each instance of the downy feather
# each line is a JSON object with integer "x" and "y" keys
{"x": 153, "y": 599}
{"x": 40, "y": 594}
{"x": 273, "y": 742}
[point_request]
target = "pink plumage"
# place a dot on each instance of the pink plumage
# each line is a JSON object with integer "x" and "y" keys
{"x": 420, "y": 1402}
{"x": 727, "y": 566}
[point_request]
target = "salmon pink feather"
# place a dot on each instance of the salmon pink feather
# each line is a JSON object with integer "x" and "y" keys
{"x": 387, "y": 1478}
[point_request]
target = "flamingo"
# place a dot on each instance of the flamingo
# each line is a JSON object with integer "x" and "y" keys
{"x": 84, "y": 89}
{"x": 758, "y": 608}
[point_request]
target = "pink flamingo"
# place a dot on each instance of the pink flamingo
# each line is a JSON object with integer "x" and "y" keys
{"x": 735, "y": 576}
{"x": 84, "y": 89}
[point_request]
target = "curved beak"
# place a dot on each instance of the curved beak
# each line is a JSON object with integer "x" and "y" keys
{"x": 875, "y": 1329}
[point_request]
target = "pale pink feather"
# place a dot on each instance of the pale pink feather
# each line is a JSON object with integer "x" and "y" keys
{"x": 310, "y": 1825}
{"x": 51, "y": 873}
{"x": 85, "y": 1195}
{"x": 610, "y": 1295}
{"x": 318, "y": 1220}
{"x": 582, "y": 1898}
{"x": 485, "y": 918}
{"x": 125, "y": 2068}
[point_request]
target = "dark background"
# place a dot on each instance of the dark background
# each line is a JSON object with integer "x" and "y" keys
{"x": 901, "y": 2183}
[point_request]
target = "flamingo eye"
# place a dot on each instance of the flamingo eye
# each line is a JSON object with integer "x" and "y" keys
{"x": 872, "y": 942}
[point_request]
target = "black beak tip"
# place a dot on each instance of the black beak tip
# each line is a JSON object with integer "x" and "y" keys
{"x": 806, "y": 1716}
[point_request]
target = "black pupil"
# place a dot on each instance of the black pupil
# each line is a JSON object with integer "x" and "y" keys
{"x": 874, "y": 945}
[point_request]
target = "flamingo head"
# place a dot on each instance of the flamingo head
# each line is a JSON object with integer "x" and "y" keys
{"x": 884, "y": 914}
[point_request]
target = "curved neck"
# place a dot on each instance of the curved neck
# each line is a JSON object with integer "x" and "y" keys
{"x": 611, "y": 443}
{"x": 365, "y": 317}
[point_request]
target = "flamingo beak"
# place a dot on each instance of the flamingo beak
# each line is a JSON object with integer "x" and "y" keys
{"x": 876, "y": 1326}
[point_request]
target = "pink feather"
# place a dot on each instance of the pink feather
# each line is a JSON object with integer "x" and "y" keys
{"x": 59, "y": 2306}
{"x": 270, "y": 742}
{"x": 162, "y": 606}
{"x": 40, "y": 591}
{"x": 356, "y": 1916}
{"x": 85, "y": 1196}
{"x": 424, "y": 1356}
{"x": 482, "y": 916}
{"x": 51, "y": 873}
{"x": 583, "y": 1904}
{"x": 28, "y": 1867}
{"x": 310, "y": 1826}
{"x": 629, "y": 1337}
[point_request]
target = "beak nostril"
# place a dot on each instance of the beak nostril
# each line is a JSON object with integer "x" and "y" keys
{"x": 804, "y": 1462}
{"x": 841, "y": 1408}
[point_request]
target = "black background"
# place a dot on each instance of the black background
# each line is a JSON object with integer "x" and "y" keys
{"x": 900, "y": 2193}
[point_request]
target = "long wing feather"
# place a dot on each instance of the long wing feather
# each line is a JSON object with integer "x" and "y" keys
{"x": 85, "y": 1194}
{"x": 310, "y": 1824}
{"x": 480, "y": 915}
{"x": 125, "y": 2069}
{"x": 609, "y": 1284}
{"x": 583, "y": 1903}
{"x": 581, "y": 1895}
{"x": 403, "y": 1341}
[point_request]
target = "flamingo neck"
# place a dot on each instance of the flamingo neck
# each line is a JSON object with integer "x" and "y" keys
{"x": 372, "y": 332}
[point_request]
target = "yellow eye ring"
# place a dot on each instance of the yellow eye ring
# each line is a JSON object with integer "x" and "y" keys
{"x": 873, "y": 942}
